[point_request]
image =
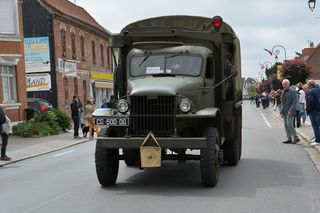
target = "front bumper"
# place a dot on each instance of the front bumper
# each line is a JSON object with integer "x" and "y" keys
{"x": 164, "y": 142}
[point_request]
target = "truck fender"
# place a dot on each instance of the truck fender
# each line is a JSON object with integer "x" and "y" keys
{"x": 102, "y": 112}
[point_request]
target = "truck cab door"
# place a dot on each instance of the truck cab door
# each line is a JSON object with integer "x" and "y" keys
{"x": 208, "y": 92}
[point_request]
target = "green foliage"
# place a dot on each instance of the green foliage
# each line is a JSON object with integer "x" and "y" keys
{"x": 44, "y": 123}
{"x": 63, "y": 119}
{"x": 296, "y": 71}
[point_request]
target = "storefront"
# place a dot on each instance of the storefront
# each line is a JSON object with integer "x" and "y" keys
{"x": 101, "y": 86}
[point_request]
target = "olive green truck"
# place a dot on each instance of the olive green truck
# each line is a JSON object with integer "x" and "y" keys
{"x": 178, "y": 77}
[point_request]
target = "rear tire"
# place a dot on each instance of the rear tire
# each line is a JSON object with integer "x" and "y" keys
{"x": 107, "y": 163}
{"x": 233, "y": 148}
{"x": 209, "y": 160}
{"x": 131, "y": 157}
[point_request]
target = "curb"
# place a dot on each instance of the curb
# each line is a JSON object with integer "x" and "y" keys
{"x": 43, "y": 153}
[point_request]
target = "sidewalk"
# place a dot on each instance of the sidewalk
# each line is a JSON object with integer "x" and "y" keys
{"x": 305, "y": 132}
{"x": 20, "y": 148}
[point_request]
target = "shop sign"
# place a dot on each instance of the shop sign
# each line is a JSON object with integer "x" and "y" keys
{"x": 70, "y": 68}
{"x": 38, "y": 82}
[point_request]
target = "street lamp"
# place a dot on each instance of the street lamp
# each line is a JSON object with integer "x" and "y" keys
{"x": 312, "y": 4}
{"x": 265, "y": 63}
{"x": 275, "y": 50}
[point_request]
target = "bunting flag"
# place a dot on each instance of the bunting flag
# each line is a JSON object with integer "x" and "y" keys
{"x": 261, "y": 66}
{"x": 270, "y": 53}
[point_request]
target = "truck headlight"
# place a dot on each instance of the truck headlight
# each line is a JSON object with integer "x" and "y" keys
{"x": 122, "y": 106}
{"x": 185, "y": 105}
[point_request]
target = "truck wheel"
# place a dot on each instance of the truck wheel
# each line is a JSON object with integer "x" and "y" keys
{"x": 107, "y": 163}
{"x": 131, "y": 156}
{"x": 209, "y": 160}
{"x": 232, "y": 148}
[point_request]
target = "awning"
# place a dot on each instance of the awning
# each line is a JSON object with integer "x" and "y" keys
{"x": 101, "y": 84}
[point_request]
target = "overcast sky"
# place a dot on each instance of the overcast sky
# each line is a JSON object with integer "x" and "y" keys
{"x": 259, "y": 24}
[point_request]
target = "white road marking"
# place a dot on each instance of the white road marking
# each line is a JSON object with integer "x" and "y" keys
{"x": 265, "y": 119}
{"x": 64, "y": 153}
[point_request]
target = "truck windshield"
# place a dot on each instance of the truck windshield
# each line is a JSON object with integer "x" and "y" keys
{"x": 169, "y": 64}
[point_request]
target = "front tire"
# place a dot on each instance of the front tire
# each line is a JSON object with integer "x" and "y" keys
{"x": 209, "y": 160}
{"x": 107, "y": 163}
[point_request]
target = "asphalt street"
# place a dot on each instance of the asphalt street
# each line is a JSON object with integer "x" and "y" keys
{"x": 271, "y": 177}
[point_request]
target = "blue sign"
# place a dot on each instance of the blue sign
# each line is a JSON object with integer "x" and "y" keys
{"x": 37, "y": 54}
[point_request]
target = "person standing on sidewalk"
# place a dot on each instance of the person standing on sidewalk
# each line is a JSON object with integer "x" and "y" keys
{"x": 288, "y": 110}
{"x": 302, "y": 91}
{"x": 75, "y": 114}
{"x": 5, "y": 131}
{"x": 80, "y": 110}
{"x": 89, "y": 109}
{"x": 313, "y": 110}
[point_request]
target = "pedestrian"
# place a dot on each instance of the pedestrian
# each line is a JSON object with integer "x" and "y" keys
{"x": 5, "y": 132}
{"x": 278, "y": 96}
{"x": 104, "y": 103}
{"x": 302, "y": 91}
{"x": 288, "y": 110}
{"x": 75, "y": 114}
{"x": 257, "y": 99}
{"x": 89, "y": 109}
{"x": 111, "y": 101}
{"x": 80, "y": 110}
{"x": 297, "y": 118}
{"x": 313, "y": 110}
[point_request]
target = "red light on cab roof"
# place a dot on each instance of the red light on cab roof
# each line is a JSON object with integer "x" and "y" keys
{"x": 217, "y": 21}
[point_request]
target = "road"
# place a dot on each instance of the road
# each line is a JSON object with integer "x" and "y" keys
{"x": 271, "y": 177}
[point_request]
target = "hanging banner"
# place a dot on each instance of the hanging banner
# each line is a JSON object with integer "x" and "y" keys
{"x": 37, "y": 55}
{"x": 38, "y": 82}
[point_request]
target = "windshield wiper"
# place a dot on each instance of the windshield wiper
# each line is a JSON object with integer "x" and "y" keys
{"x": 145, "y": 58}
{"x": 163, "y": 74}
{"x": 171, "y": 56}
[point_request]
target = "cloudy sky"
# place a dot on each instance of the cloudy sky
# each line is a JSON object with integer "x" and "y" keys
{"x": 258, "y": 23}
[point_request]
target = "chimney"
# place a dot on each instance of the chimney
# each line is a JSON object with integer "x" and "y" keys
{"x": 311, "y": 45}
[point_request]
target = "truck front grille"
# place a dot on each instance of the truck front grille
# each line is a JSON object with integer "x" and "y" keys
{"x": 152, "y": 113}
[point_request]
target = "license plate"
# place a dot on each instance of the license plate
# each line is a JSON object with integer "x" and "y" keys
{"x": 112, "y": 121}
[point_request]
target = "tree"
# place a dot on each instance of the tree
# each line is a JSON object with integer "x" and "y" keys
{"x": 296, "y": 71}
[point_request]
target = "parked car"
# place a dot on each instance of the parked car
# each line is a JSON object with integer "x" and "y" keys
{"x": 39, "y": 104}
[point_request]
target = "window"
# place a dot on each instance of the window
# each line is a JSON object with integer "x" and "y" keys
{"x": 209, "y": 68}
{"x": 93, "y": 47}
{"x": 8, "y": 17}
{"x": 83, "y": 57}
{"x": 108, "y": 57}
{"x": 75, "y": 85}
{"x": 165, "y": 64}
{"x": 63, "y": 42}
{"x": 101, "y": 55}
{"x": 8, "y": 75}
{"x": 73, "y": 46}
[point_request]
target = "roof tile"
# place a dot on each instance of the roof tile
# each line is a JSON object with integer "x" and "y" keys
{"x": 68, "y": 8}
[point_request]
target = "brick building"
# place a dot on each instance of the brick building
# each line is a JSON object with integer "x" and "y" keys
{"x": 12, "y": 84}
{"x": 313, "y": 60}
{"x": 79, "y": 60}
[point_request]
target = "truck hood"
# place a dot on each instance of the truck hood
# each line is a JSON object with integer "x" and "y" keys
{"x": 163, "y": 85}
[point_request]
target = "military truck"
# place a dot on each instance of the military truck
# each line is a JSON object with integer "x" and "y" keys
{"x": 178, "y": 77}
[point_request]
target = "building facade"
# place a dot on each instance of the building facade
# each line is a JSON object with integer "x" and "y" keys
{"x": 77, "y": 59}
{"x": 314, "y": 61}
{"x": 13, "y": 94}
